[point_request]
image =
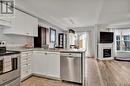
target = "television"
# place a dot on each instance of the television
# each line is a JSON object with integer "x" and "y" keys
{"x": 106, "y": 37}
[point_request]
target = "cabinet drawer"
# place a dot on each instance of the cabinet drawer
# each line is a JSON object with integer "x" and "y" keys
{"x": 25, "y": 59}
{"x": 25, "y": 73}
{"x": 25, "y": 65}
{"x": 28, "y": 53}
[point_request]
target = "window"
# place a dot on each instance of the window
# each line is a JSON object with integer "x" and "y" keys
{"x": 123, "y": 42}
{"x": 52, "y": 35}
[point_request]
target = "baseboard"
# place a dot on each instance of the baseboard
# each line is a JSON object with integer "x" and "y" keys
{"x": 111, "y": 58}
{"x": 25, "y": 78}
{"x": 44, "y": 76}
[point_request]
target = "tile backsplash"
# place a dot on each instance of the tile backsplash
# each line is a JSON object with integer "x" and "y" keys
{"x": 15, "y": 40}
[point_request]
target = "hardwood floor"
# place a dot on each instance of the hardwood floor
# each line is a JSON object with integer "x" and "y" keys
{"x": 98, "y": 73}
{"x": 107, "y": 73}
{"x": 36, "y": 81}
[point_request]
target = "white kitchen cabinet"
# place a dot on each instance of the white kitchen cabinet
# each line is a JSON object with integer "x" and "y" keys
{"x": 6, "y": 22}
{"x": 23, "y": 24}
{"x": 39, "y": 63}
{"x": 26, "y": 62}
{"x": 31, "y": 25}
{"x": 46, "y": 63}
{"x": 53, "y": 64}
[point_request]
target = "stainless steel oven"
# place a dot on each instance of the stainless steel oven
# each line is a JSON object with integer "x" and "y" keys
{"x": 2, "y": 49}
{"x": 13, "y": 70}
{"x": 1, "y": 65}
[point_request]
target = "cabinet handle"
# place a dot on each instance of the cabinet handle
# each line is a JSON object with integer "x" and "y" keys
{"x": 45, "y": 53}
{"x": 26, "y": 71}
{"x": 69, "y": 53}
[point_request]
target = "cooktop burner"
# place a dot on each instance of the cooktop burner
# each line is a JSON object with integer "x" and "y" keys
{"x": 9, "y": 53}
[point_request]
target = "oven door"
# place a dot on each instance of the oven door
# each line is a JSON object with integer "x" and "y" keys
{"x": 1, "y": 66}
{"x": 14, "y": 73}
{"x": 2, "y": 49}
{"x": 15, "y": 82}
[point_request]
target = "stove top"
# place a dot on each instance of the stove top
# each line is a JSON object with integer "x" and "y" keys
{"x": 9, "y": 53}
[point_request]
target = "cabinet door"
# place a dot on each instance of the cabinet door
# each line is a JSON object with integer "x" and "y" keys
{"x": 23, "y": 24}
{"x": 39, "y": 62}
{"x": 53, "y": 64}
{"x": 6, "y": 22}
{"x": 31, "y": 25}
{"x": 34, "y": 27}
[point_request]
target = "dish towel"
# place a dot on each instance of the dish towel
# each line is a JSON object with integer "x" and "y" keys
{"x": 7, "y": 64}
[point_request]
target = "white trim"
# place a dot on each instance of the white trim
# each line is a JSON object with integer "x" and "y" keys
{"x": 103, "y": 46}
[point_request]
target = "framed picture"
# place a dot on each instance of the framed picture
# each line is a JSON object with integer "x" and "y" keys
{"x": 52, "y": 35}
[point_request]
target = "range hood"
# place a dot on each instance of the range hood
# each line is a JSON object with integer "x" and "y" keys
{"x": 4, "y": 23}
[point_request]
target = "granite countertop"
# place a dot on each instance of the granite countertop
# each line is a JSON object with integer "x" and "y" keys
{"x": 20, "y": 49}
{"x": 32, "y": 49}
{"x": 49, "y": 50}
{"x": 73, "y": 51}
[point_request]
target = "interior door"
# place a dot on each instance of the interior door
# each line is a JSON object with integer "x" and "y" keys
{"x": 41, "y": 39}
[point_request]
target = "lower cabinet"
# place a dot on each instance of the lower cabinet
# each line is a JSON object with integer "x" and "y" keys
{"x": 46, "y": 63}
{"x": 53, "y": 64}
{"x": 39, "y": 63}
{"x": 26, "y": 62}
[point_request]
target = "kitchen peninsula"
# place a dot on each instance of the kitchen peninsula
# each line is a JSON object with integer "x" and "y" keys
{"x": 49, "y": 63}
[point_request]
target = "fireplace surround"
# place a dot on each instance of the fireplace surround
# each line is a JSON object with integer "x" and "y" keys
{"x": 105, "y": 51}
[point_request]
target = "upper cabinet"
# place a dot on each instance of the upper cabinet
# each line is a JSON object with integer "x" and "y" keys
{"x": 5, "y": 23}
{"x": 23, "y": 24}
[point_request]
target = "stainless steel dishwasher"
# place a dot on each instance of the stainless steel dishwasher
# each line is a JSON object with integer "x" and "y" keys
{"x": 70, "y": 64}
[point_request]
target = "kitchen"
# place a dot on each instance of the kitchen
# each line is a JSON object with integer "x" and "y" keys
{"x": 58, "y": 42}
{"x": 31, "y": 47}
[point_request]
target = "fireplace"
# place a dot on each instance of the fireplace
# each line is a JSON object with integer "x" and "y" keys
{"x": 106, "y": 53}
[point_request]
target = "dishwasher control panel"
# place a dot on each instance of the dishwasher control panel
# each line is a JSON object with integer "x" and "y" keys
{"x": 71, "y": 54}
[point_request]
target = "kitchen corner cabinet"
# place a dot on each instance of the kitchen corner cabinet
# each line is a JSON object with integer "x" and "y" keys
{"x": 46, "y": 63}
{"x": 23, "y": 24}
{"x": 26, "y": 62}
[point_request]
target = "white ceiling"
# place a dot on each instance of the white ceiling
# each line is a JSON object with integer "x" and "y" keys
{"x": 80, "y": 13}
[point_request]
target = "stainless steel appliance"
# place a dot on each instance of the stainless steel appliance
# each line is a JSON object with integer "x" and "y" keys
{"x": 71, "y": 68}
{"x": 10, "y": 69}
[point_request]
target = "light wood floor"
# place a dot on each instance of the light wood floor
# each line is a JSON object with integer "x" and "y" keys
{"x": 36, "y": 81}
{"x": 98, "y": 73}
{"x": 107, "y": 73}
